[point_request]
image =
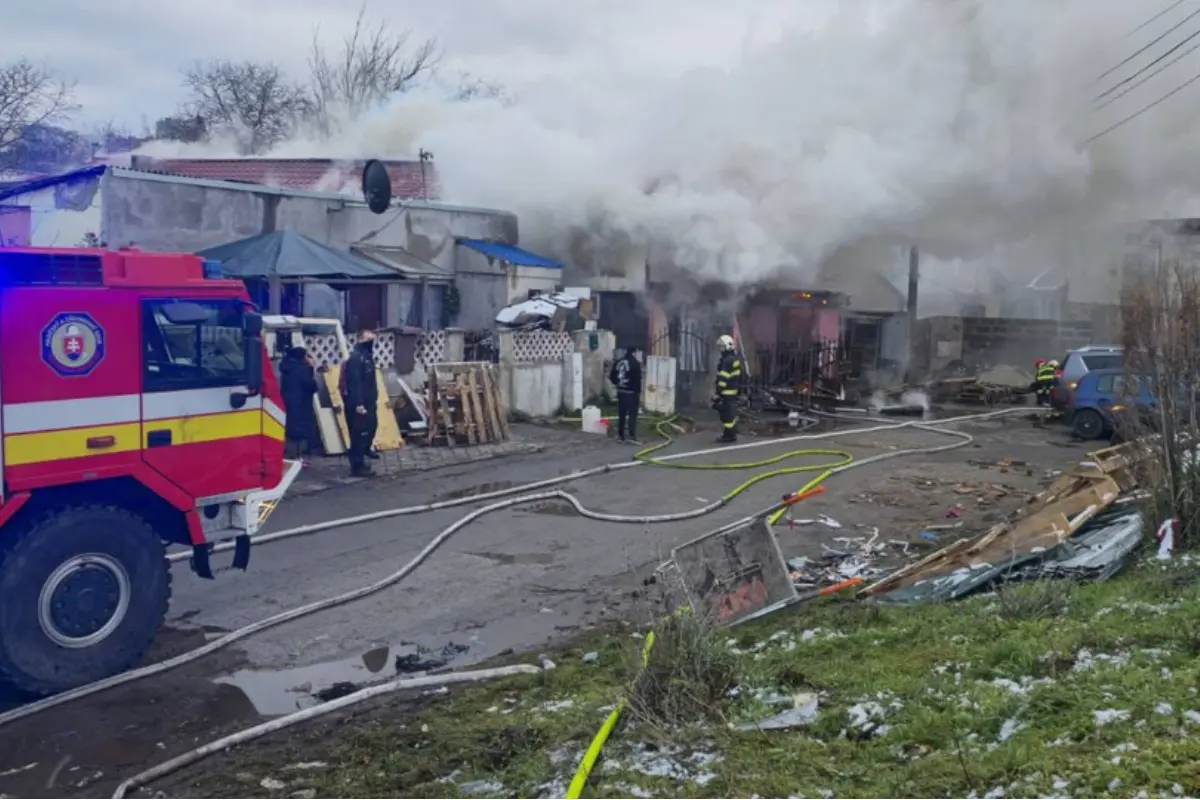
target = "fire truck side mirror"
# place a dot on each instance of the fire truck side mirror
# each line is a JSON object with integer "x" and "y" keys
{"x": 252, "y": 342}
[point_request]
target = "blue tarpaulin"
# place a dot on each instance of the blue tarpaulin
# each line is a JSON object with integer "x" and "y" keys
{"x": 510, "y": 253}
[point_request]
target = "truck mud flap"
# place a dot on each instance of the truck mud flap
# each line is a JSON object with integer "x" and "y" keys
{"x": 201, "y": 560}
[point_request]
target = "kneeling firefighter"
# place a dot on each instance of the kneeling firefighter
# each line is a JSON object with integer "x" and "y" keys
{"x": 729, "y": 385}
{"x": 1044, "y": 380}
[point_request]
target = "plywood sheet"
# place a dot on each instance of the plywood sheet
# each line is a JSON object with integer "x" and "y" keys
{"x": 387, "y": 434}
{"x": 333, "y": 375}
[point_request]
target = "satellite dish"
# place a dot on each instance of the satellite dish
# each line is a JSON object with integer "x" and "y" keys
{"x": 376, "y": 186}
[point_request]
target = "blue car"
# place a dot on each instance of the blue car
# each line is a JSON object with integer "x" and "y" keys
{"x": 1102, "y": 399}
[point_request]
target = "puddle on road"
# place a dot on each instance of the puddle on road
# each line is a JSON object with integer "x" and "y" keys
{"x": 283, "y": 691}
{"x": 475, "y": 491}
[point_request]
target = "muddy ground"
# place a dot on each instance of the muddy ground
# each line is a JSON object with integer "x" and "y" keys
{"x": 520, "y": 579}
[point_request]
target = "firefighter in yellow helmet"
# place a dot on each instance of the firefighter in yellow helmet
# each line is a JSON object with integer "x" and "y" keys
{"x": 1044, "y": 380}
{"x": 729, "y": 384}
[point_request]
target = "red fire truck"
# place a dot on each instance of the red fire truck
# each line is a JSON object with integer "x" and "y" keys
{"x": 137, "y": 411}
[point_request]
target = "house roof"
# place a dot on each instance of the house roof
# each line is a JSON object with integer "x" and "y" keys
{"x": 405, "y": 263}
{"x": 50, "y": 181}
{"x": 287, "y": 254}
{"x": 511, "y": 253}
{"x": 312, "y": 174}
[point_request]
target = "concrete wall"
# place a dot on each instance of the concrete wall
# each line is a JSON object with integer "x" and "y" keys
{"x": 534, "y": 388}
{"x": 523, "y": 280}
{"x": 596, "y": 362}
{"x": 177, "y": 215}
{"x": 482, "y": 288}
{"x": 50, "y": 226}
{"x": 992, "y": 341}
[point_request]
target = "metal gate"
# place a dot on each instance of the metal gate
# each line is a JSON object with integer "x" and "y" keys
{"x": 690, "y": 348}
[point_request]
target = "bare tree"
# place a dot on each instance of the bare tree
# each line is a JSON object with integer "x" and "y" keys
{"x": 373, "y": 64}
{"x": 471, "y": 87}
{"x": 254, "y": 101}
{"x": 30, "y": 96}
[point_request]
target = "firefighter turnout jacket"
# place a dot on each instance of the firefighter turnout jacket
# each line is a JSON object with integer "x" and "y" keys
{"x": 1045, "y": 374}
{"x": 729, "y": 375}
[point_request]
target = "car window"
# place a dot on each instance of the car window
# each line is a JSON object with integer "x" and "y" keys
{"x": 1102, "y": 361}
{"x": 1105, "y": 383}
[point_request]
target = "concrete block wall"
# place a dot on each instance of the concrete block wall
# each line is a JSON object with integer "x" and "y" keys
{"x": 991, "y": 341}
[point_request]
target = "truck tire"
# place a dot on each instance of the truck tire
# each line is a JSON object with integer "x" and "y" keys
{"x": 83, "y": 592}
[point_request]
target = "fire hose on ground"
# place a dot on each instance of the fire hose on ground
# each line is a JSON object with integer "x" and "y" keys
{"x": 390, "y": 580}
{"x": 592, "y": 753}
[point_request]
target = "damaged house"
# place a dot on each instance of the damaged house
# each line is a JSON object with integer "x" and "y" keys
{"x": 428, "y": 264}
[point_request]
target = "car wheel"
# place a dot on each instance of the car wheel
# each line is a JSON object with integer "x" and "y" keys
{"x": 1087, "y": 424}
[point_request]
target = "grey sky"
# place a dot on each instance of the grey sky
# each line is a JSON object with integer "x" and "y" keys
{"x": 126, "y": 54}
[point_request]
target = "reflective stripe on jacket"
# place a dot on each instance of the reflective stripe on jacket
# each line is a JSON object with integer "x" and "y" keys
{"x": 729, "y": 375}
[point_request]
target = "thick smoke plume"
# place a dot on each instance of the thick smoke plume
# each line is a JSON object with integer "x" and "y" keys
{"x": 958, "y": 125}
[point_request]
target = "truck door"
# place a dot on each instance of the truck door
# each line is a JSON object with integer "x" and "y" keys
{"x": 199, "y": 428}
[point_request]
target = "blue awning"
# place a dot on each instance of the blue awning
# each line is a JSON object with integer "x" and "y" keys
{"x": 38, "y": 184}
{"x": 510, "y": 253}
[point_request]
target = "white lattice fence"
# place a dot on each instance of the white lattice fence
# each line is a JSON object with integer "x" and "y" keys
{"x": 385, "y": 350}
{"x": 323, "y": 347}
{"x": 541, "y": 345}
{"x": 431, "y": 347}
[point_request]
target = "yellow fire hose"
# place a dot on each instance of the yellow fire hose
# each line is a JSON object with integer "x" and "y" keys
{"x": 592, "y": 754}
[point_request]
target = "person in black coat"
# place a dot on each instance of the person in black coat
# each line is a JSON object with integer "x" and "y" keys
{"x": 361, "y": 397}
{"x": 298, "y": 385}
{"x": 626, "y": 377}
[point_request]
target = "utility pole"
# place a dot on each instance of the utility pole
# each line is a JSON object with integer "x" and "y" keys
{"x": 914, "y": 278}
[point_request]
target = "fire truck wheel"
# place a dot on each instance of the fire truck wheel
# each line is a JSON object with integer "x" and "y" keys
{"x": 85, "y": 590}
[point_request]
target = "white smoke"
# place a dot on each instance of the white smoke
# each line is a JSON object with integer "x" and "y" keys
{"x": 958, "y": 125}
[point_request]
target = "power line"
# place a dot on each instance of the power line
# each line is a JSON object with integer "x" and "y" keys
{"x": 1144, "y": 109}
{"x": 1156, "y": 17}
{"x": 1169, "y": 51}
{"x": 1158, "y": 71}
{"x": 1144, "y": 68}
{"x": 1149, "y": 45}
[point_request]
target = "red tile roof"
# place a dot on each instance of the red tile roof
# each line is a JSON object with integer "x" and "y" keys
{"x": 310, "y": 174}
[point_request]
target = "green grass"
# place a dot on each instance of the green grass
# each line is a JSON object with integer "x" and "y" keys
{"x": 1041, "y": 690}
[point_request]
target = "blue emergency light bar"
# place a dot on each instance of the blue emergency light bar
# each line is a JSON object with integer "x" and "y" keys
{"x": 50, "y": 269}
{"x": 212, "y": 270}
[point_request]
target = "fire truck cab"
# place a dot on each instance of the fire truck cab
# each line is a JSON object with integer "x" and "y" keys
{"x": 138, "y": 411}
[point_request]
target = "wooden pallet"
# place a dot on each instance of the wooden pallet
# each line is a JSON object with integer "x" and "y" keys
{"x": 464, "y": 404}
{"x": 1051, "y": 517}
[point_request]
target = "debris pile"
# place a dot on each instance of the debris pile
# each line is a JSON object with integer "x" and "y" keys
{"x": 1068, "y": 530}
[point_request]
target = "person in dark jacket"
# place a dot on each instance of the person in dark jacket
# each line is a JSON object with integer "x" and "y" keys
{"x": 298, "y": 385}
{"x": 626, "y": 376}
{"x": 361, "y": 396}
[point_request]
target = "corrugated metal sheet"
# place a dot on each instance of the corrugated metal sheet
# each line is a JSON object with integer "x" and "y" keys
{"x": 1096, "y": 553}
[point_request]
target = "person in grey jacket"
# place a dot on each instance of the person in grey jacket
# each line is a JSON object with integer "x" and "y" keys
{"x": 626, "y": 376}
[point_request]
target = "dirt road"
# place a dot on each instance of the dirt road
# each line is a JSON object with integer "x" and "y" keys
{"x": 514, "y": 580}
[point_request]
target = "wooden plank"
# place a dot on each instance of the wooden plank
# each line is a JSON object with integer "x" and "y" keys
{"x": 387, "y": 434}
{"x": 435, "y": 421}
{"x": 333, "y": 374}
{"x": 477, "y": 417}
{"x": 496, "y": 406}
{"x": 467, "y": 402}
